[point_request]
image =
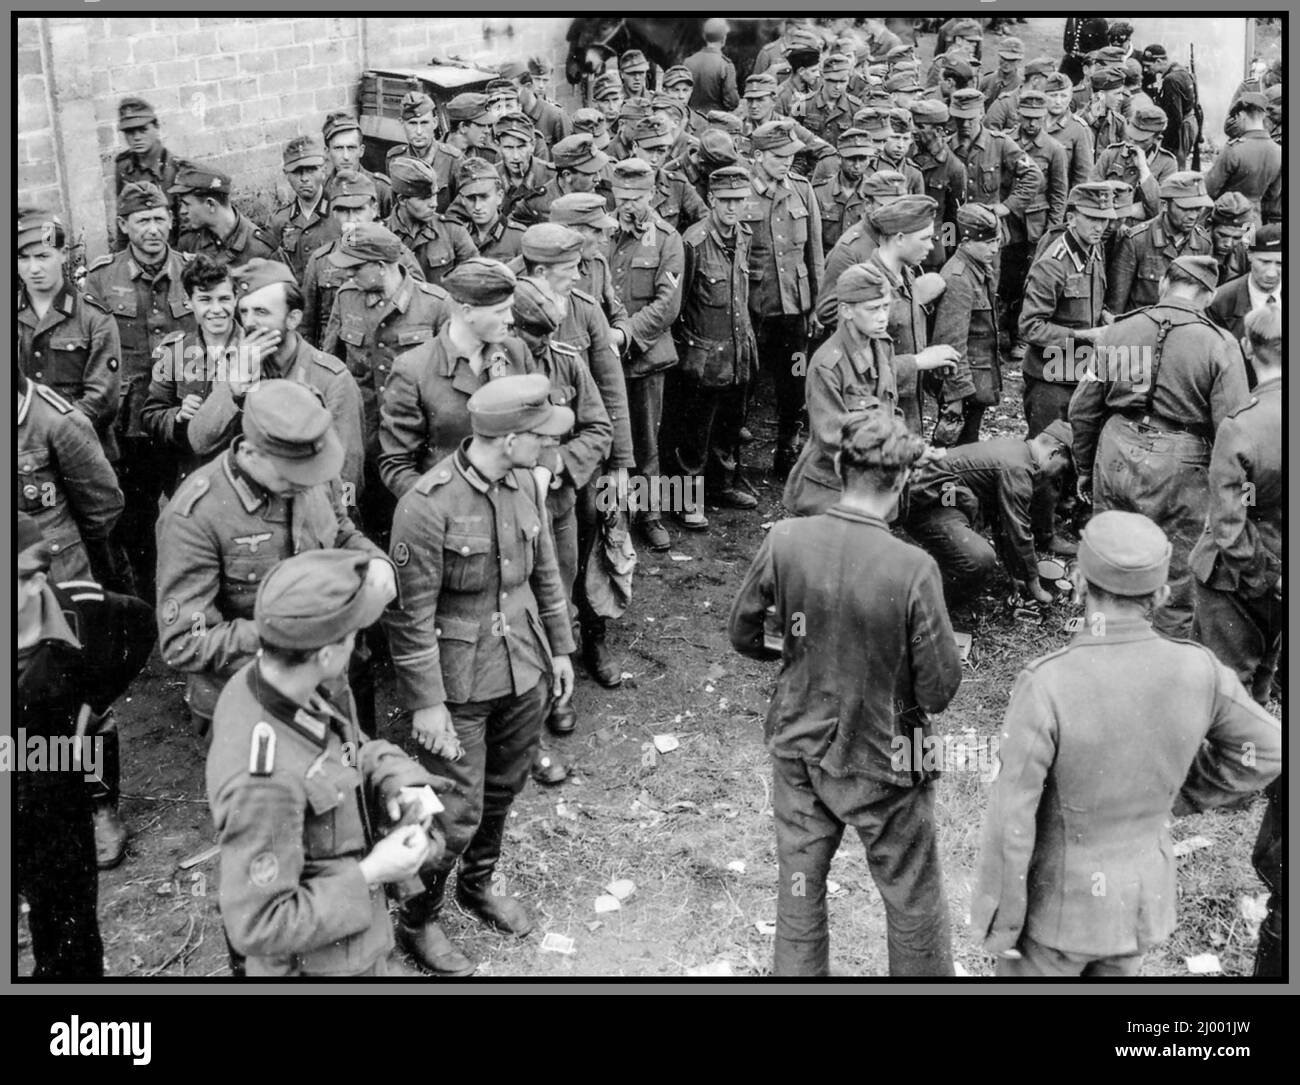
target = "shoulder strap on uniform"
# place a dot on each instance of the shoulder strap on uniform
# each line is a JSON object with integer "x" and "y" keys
{"x": 1162, "y": 333}
{"x": 95, "y": 303}
{"x": 328, "y": 362}
{"x": 103, "y": 261}
{"x": 575, "y": 292}
{"x": 261, "y": 751}
{"x": 189, "y": 496}
{"x": 53, "y": 398}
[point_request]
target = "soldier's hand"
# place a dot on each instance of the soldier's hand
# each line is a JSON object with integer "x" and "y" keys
{"x": 562, "y": 670}
{"x": 1083, "y": 489}
{"x": 432, "y": 728}
{"x": 261, "y": 344}
{"x": 1144, "y": 167}
{"x": 927, "y": 287}
{"x": 815, "y": 326}
{"x": 397, "y": 856}
{"x": 189, "y": 407}
{"x": 421, "y": 801}
{"x": 621, "y": 483}
{"x": 939, "y": 356}
{"x": 380, "y": 577}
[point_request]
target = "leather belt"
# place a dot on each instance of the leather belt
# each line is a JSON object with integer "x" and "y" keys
{"x": 1167, "y": 425}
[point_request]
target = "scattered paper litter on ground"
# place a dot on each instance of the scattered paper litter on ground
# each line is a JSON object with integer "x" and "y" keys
{"x": 556, "y": 943}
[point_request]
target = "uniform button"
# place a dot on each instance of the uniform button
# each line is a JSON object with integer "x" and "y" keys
{"x": 252, "y": 576}
{"x": 55, "y": 548}
{"x": 39, "y": 375}
{"x": 30, "y": 493}
{"x": 505, "y": 561}
{"x": 38, "y": 354}
{"x": 503, "y": 597}
{"x": 464, "y": 549}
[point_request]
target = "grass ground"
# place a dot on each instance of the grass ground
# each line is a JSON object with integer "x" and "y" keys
{"x": 692, "y": 828}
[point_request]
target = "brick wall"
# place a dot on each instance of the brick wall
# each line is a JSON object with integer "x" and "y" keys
{"x": 227, "y": 90}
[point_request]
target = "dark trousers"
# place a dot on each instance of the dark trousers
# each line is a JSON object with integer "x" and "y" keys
{"x": 1246, "y": 634}
{"x": 54, "y": 859}
{"x": 376, "y": 506}
{"x": 1267, "y": 859}
{"x": 645, "y": 407}
{"x": 587, "y": 531}
{"x": 142, "y": 472}
{"x": 896, "y": 826}
{"x": 498, "y": 738}
{"x": 1045, "y": 402}
{"x": 701, "y": 429}
{"x": 1164, "y": 476}
{"x": 783, "y": 352}
{"x": 1016, "y": 258}
{"x": 966, "y": 559}
{"x": 1037, "y": 960}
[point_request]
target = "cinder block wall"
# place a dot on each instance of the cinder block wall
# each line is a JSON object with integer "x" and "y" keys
{"x": 229, "y": 91}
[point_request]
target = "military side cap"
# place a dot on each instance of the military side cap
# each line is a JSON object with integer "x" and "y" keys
{"x": 518, "y": 404}
{"x": 290, "y": 423}
{"x": 304, "y": 151}
{"x": 1125, "y": 205}
{"x": 1040, "y": 66}
{"x": 716, "y": 148}
{"x": 652, "y": 131}
{"x": 855, "y": 143}
{"x": 802, "y": 40}
{"x": 1011, "y": 48}
{"x": 1107, "y": 79}
{"x": 35, "y": 224}
{"x": 632, "y": 110}
{"x": 861, "y": 282}
{"x": 872, "y": 119}
{"x": 677, "y": 75}
{"x": 666, "y": 103}
{"x": 976, "y": 222}
{"x": 905, "y": 215}
{"x": 1149, "y": 118}
{"x": 480, "y": 281}
{"x": 411, "y": 177}
{"x": 632, "y": 176}
{"x": 1252, "y": 100}
{"x": 1033, "y": 103}
{"x": 514, "y": 70}
{"x": 1232, "y": 209}
{"x": 590, "y": 120}
{"x": 582, "y": 209}
{"x": 633, "y": 60}
{"x": 350, "y": 188}
{"x": 900, "y": 119}
{"x": 958, "y": 67}
{"x": 1186, "y": 189}
{"x": 885, "y": 184}
{"x": 1124, "y": 553}
{"x": 316, "y": 598}
{"x": 760, "y": 86}
{"x": 550, "y": 243}
{"x": 339, "y": 121}
{"x": 416, "y": 103}
{"x": 517, "y": 125}
{"x": 1204, "y": 269}
{"x": 1056, "y": 81}
{"x": 1154, "y": 52}
{"x": 500, "y": 88}
{"x": 539, "y": 65}
{"x": 606, "y": 85}
{"x": 967, "y": 28}
{"x": 1096, "y": 198}
{"x": 726, "y": 122}
{"x": 578, "y": 152}
{"x": 134, "y": 113}
{"x": 899, "y": 52}
{"x": 536, "y": 307}
{"x": 477, "y": 175}
{"x": 777, "y": 137}
{"x": 259, "y": 272}
{"x": 1060, "y": 431}
{"x": 364, "y": 242}
{"x": 1110, "y": 55}
{"x": 903, "y": 83}
{"x": 34, "y": 553}
{"x": 877, "y": 98}
{"x": 198, "y": 180}
{"x": 929, "y": 111}
{"x": 779, "y": 69}
{"x": 730, "y": 181}
{"x": 966, "y": 103}
{"x": 836, "y": 63}
{"x": 470, "y": 106}
{"x": 1267, "y": 239}
{"x": 139, "y": 196}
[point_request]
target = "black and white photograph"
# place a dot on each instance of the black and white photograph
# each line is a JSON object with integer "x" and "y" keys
{"x": 724, "y": 499}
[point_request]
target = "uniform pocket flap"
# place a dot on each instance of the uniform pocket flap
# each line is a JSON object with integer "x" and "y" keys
{"x": 327, "y": 792}
{"x": 181, "y": 308}
{"x": 413, "y": 335}
{"x": 78, "y": 342}
{"x": 461, "y": 629}
{"x": 352, "y": 335}
{"x": 646, "y": 261}
{"x": 465, "y": 545}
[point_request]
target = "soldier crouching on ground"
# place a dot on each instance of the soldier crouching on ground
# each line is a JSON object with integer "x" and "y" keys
{"x": 868, "y": 651}
{"x": 480, "y": 639}
{"x": 295, "y": 786}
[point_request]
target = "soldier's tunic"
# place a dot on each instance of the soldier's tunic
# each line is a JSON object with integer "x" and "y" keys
{"x": 502, "y": 240}
{"x": 159, "y": 167}
{"x": 299, "y": 231}
{"x": 841, "y": 205}
{"x": 1025, "y": 226}
{"x": 1252, "y": 165}
{"x": 321, "y": 281}
{"x": 1107, "y": 129}
{"x": 439, "y": 245}
{"x": 945, "y": 182}
{"x": 855, "y": 246}
{"x": 1117, "y": 163}
{"x": 676, "y": 201}
{"x": 966, "y": 319}
{"x": 829, "y": 117}
{"x": 1076, "y": 137}
{"x": 1142, "y": 255}
{"x": 244, "y": 242}
{"x": 526, "y": 199}
{"x": 443, "y": 158}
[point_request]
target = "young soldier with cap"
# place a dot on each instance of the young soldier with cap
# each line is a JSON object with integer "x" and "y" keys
{"x": 425, "y": 414}
{"x": 1229, "y": 222}
{"x": 213, "y": 225}
{"x": 673, "y": 111}
{"x": 141, "y": 286}
{"x": 66, "y": 338}
{"x": 300, "y": 794}
{"x": 829, "y": 110}
{"x": 714, "y": 149}
{"x": 646, "y": 263}
{"x": 633, "y": 70}
{"x": 1001, "y": 114}
{"x": 966, "y": 319}
{"x": 272, "y": 494}
{"x": 304, "y": 224}
{"x": 78, "y": 648}
{"x": 578, "y": 167}
{"x": 480, "y": 642}
{"x": 840, "y": 201}
{"x": 1064, "y": 307}
{"x": 1068, "y": 130}
{"x": 864, "y": 626}
{"x": 380, "y": 313}
{"x": 480, "y": 194}
{"x": 1145, "y": 250}
{"x": 549, "y": 120}
{"x": 1145, "y": 419}
{"x": 1105, "y": 121}
{"x": 857, "y": 243}
{"x": 145, "y": 161}
{"x": 353, "y": 199}
{"x": 503, "y": 101}
{"x": 759, "y": 108}
{"x": 471, "y": 126}
{"x": 526, "y": 174}
{"x": 713, "y": 73}
{"x": 679, "y": 84}
{"x": 420, "y": 125}
{"x": 592, "y": 121}
{"x": 674, "y": 200}
{"x": 987, "y": 483}
{"x": 943, "y": 174}
{"x": 607, "y": 93}
{"x": 1077, "y": 871}
{"x": 896, "y": 131}
{"x": 1008, "y": 75}
{"x": 346, "y": 147}
{"x": 437, "y": 242}
{"x": 1251, "y": 163}
{"x": 1177, "y": 97}
{"x": 1139, "y": 159}
{"x": 1262, "y": 285}
{"x": 717, "y": 355}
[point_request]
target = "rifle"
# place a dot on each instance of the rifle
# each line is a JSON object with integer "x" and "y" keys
{"x": 1197, "y": 112}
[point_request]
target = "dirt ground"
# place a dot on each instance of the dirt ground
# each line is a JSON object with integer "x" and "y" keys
{"x": 690, "y": 828}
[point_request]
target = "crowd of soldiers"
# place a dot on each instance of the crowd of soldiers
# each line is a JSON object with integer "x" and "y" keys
{"x": 414, "y": 417}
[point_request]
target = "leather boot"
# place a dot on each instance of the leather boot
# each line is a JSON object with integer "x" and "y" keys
{"x": 562, "y": 719}
{"x": 655, "y": 534}
{"x": 548, "y": 769}
{"x": 474, "y": 882}
{"x": 595, "y": 655}
{"x": 419, "y": 933}
{"x": 110, "y": 833}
